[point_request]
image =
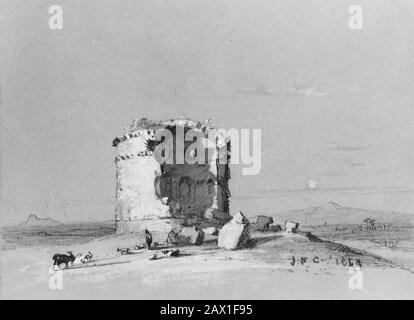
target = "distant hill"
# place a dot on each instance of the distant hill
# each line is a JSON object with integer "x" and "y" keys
{"x": 333, "y": 213}
{"x": 35, "y": 221}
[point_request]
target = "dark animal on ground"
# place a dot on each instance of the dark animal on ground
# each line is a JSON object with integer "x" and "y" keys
{"x": 123, "y": 250}
{"x": 172, "y": 253}
{"x": 60, "y": 258}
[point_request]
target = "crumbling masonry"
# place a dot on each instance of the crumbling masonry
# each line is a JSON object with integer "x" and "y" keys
{"x": 159, "y": 196}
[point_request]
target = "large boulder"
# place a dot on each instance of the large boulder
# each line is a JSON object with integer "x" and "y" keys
{"x": 177, "y": 238}
{"x": 235, "y": 234}
{"x": 185, "y": 236}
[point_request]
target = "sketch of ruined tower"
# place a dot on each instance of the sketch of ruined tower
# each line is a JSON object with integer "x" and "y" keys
{"x": 161, "y": 196}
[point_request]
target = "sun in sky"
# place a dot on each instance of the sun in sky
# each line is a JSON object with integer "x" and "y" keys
{"x": 312, "y": 184}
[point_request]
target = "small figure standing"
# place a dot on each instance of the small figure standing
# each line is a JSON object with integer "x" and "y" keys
{"x": 200, "y": 236}
{"x": 148, "y": 239}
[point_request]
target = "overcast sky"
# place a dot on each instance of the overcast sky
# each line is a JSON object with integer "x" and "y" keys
{"x": 334, "y": 105}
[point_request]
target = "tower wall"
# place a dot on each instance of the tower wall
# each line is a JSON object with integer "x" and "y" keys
{"x": 160, "y": 197}
{"x": 136, "y": 171}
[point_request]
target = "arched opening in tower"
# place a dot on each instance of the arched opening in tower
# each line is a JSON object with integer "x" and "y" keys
{"x": 187, "y": 189}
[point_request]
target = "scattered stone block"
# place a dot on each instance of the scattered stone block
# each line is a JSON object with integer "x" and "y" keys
{"x": 235, "y": 234}
{"x": 263, "y": 223}
{"x": 291, "y": 226}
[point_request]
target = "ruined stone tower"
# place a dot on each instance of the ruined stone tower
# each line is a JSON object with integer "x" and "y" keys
{"x": 159, "y": 196}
